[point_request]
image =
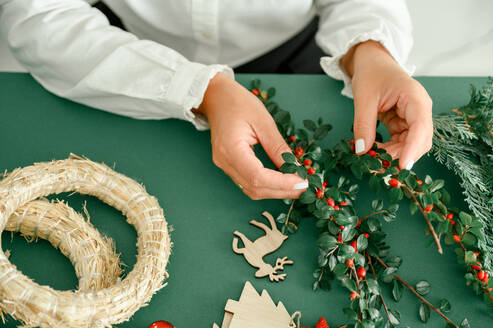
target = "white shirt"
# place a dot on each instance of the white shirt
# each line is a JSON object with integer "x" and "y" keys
{"x": 162, "y": 66}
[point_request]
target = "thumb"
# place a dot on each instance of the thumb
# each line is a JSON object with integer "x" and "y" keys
{"x": 271, "y": 140}
{"x": 365, "y": 124}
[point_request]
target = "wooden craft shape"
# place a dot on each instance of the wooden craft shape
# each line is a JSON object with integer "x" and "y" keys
{"x": 256, "y": 250}
{"x": 254, "y": 311}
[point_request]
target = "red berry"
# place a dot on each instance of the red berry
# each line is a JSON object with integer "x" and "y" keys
{"x": 429, "y": 208}
{"x": 354, "y": 244}
{"x": 476, "y": 253}
{"x": 456, "y": 238}
{"x": 330, "y": 202}
{"x": 450, "y": 216}
{"x": 336, "y": 208}
{"x": 453, "y": 222}
{"x": 359, "y": 223}
{"x": 322, "y": 323}
{"x": 476, "y": 266}
{"x": 486, "y": 277}
{"x": 325, "y": 184}
{"x": 385, "y": 163}
{"x": 481, "y": 275}
{"x": 299, "y": 151}
{"x": 394, "y": 183}
{"x": 292, "y": 138}
{"x": 353, "y": 296}
{"x": 367, "y": 235}
{"x": 256, "y": 92}
{"x": 419, "y": 181}
{"x": 343, "y": 203}
{"x": 372, "y": 153}
{"x": 350, "y": 263}
{"x": 311, "y": 170}
{"x": 361, "y": 272}
{"x": 339, "y": 239}
{"x": 320, "y": 193}
{"x": 307, "y": 162}
{"x": 341, "y": 227}
{"x": 161, "y": 324}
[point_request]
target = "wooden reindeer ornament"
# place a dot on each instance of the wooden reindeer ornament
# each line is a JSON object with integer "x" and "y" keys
{"x": 256, "y": 250}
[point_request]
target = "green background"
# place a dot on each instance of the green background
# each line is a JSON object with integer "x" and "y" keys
{"x": 204, "y": 207}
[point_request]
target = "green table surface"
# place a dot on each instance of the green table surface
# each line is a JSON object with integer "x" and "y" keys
{"x": 173, "y": 161}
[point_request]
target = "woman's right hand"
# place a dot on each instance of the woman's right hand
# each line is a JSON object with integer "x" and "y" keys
{"x": 238, "y": 121}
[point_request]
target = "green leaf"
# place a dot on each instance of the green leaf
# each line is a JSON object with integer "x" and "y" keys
{"x": 470, "y": 257}
{"x": 465, "y": 324}
{"x": 377, "y": 205}
{"x": 288, "y": 168}
{"x": 346, "y": 251}
{"x": 374, "y": 163}
{"x": 315, "y": 152}
{"x": 315, "y": 180}
{"x": 271, "y": 92}
{"x": 289, "y": 158}
{"x": 374, "y": 183}
{"x": 395, "y": 317}
{"x": 394, "y": 261}
{"x": 445, "y": 305}
{"x": 469, "y": 240}
{"x": 349, "y": 284}
{"x": 255, "y": 83}
{"x": 322, "y": 131}
{"x": 301, "y": 171}
{"x": 424, "y": 312}
{"x": 282, "y": 117}
{"x": 362, "y": 242}
{"x": 307, "y": 197}
{"x": 436, "y": 185}
{"x": 348, "y": 234}
{"x": 351, "y": 314}
{"x": 309, "y": 125}
{"x": 423, "y": 287}
{"x": 397, "y": 290}
{"x": 373, "y": 286}
{"x": 413, "y": 208}
{"x": 465, "y": 218}
{"x": 326, "y": 241}
{"x": 388, "y": 274}
{"x": 395, "y": 195}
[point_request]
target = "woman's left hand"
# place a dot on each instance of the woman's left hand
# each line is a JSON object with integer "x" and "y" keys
{"x": 383, "y": 90}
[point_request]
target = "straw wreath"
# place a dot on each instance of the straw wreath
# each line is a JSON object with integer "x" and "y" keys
{"x": 42, "y": 306}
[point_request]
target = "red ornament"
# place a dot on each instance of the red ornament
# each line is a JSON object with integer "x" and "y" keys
{"x": 354, "y": 244}
{"x": 322, "y": 323}
{"x": 161, "y": 324}
{"x": 353, "y": 296}
{"x": 330, "y": 202}
{"x": 310, "y": 171}
{"x": 450, "y": 216}
{"x": 429, "y": 208}
{"x": 361, "y": 272}
{"x": 372, "y": 153}
{"x": 320, "y": 193}
{"x": 394, "y": 183}
{"x": 457, "y": 238}
{"x": 307, "y": 162}
{"x": 292, "y": 138}
{"x": 256, "y": 92}
{"x": 350, "y": 263}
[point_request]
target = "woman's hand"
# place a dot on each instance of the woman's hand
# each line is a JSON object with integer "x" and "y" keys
{"x": 238, "y": 120}
{"x": 383, "y": 90}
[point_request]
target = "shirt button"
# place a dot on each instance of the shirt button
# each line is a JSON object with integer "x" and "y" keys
{"x": 207, "y": 35}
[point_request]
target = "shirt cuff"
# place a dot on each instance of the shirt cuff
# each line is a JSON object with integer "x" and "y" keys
{"x": 188, "y": 87}
{"x": 333, "y": 67}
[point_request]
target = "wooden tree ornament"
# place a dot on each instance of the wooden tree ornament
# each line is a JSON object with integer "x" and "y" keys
{"x": 256, "y": 250}
{"x": 253, "y": 311}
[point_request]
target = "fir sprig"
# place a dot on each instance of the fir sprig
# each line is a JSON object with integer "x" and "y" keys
{"x": 351, "y": 244}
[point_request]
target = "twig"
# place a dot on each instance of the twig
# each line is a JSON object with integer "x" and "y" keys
{"x": 374, "y": 213}
{"x": 289, "y": 212}
{"x": 421, "y": 298}
{"x": 430, "y": 226}
{"x": 381, "y": 297}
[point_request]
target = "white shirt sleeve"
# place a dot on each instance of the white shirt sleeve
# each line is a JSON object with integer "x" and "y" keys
{"x": 72, "y": 50}
{"x": 345, "y": 23}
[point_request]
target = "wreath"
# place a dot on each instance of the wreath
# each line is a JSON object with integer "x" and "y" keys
{"x": 352, "y": 247}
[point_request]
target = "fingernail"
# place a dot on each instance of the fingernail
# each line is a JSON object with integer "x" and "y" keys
{"x": 301, "y": 185}
{"x": 409, "y": 165}
{"x": 359, "y": 146}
